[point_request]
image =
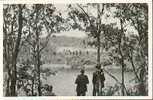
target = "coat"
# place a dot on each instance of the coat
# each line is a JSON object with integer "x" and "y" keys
{"x": 81, "y": 81}
{"x": 98, "y": 76}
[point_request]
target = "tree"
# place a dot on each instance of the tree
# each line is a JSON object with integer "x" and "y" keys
{"x": 31, "y": 26}
{"x": 114, "y": 38}
{"x": 139, "y": 52}
{"x": 111, "y": 39}
{"x": 12, "y": 40}
{"x": 133, "y": 15}
{"x": 41, "y": 18}
{"x": 93, "y": 24}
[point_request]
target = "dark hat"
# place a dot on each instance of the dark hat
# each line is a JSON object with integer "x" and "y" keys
{"x": 101, "y": 71}
{"x": 82, "y": 71}
{"x": 98, "y": 66}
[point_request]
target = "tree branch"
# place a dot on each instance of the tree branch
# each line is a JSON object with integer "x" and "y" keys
{"x": 112, "y": 76}
{"x": 85, "y": 13}
{"x": 133, "y": 66}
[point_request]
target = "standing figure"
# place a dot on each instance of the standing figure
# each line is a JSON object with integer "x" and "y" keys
{"x": 49, "y": 90}
{"x": 81, "y": 81}
{"x": 98, "y": 81}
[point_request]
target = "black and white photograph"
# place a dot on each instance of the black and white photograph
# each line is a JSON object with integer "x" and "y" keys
{"x": 76, "y": 49}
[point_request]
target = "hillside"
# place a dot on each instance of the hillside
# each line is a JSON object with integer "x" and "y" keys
{"x": 75, "y": 52}
{"x": 66, "y": 41}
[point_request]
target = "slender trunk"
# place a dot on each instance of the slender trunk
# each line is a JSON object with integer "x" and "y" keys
{"x": 6, "y": 56}
{"x": 98, "y": 41}
{"x": 123, "y": 67}
{"x": 32, "y": 86}
{"x": 99, "y": 26}
{"x": 8, "y": 85}
{"x": 98, "y": 33}
{"x": 15, "y": 54}
{"x": 98, "y": 49}
{"x": 39, "y": 81}
{"x": 123, "y": 78}
{"x": 8, "y": 82}
{"x": 141, "y": 88}
{"x": 13, "y": 79}
{"x": 8, "y": 71}
{"x": 38, "y": 67}
{"x": 7, "y": 88}
{"x": 122, "y": 57}
{"x": 38, "y": 56}
{"x": 133, "y": 66}
{"x": 122, "y": 64}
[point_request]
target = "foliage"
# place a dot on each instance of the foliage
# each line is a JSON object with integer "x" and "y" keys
{"x": 117, "y": 41}
{"x": 27, "y": 80}
{"x": 28, "y": 28}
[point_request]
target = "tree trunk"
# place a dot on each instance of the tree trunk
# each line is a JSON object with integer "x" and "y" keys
{"x": 98, "y": 33}
{"x": 39, "y": 81}
{"x": 15, "y": 53}
{"x": 99, "y": 13}
{"x": 133, "y": 65}
{"x": 122, "y": 57}
{"x": 123, "y": 77}
{"x": 38, "y": 55}
{"x": 98, "y": 49}
{"x": 8, "y": 81}
{"x": 32, "y": 87}
{"x": 6, "y": 57}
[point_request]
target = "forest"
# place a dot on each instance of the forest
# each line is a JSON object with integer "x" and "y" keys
{"x": 117, "y": 31}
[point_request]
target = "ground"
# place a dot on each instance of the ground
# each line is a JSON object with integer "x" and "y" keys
{"x": 63, "y": 82}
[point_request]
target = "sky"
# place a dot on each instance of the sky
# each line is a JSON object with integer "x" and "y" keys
{"x": 80, "y": 34}
{"x": 72, "y": 33}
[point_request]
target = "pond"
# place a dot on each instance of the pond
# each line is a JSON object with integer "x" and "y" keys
{"x": 63, "y": 81}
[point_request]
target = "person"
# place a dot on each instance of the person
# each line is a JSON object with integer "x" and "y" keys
{"x": 98, "y": 81}
{"x": 81, "y": 81}
{"x": 49, "y": 90}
